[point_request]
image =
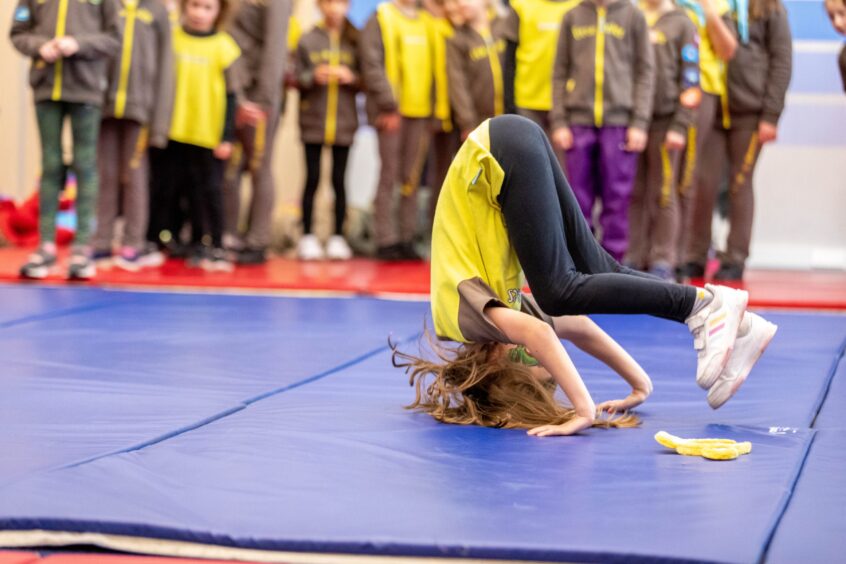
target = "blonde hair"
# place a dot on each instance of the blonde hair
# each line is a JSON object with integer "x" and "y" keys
{"x": 473, "y": 385}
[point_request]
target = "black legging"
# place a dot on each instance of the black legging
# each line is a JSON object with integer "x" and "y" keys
{"x": 339, "y": 168}
{"x": 567, "y": 271}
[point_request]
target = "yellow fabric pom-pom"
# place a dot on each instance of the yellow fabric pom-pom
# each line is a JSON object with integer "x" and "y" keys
{"x": 712, "y": 449}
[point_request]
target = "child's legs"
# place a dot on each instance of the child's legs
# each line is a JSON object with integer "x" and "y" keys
{"x": 617, "y": 170}
{"x": 744, "y": 150}
{"x": 260, "y": 155}
{"x": 414, "y": 146}
{"x": 444, "y": 146}
{"x": 85, "y": 126}
{"x": 664, "y": 210}
{"x": 384, "y": 224}
{"x": 135, "y": 182}
{"x": 581, "y": 168}
{"x": 213, "y": 198}
{"x": 553, "y": 243}
{"x": 232, "y": 184}
{"x": 639, "y": 220}
{"x": 108, "y": 149}
{"x": 157, "y": 209}
{"x": 191, "y": 184}
{"x": 710, "y": 170}
{"x": 312, "y": 156}
{"x": 339, "y": 170}
{"x": 51, "y": 117}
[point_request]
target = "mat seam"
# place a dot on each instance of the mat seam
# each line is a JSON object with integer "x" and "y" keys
{"x": 61, "y": 313}
{"x": 832, "y": 372}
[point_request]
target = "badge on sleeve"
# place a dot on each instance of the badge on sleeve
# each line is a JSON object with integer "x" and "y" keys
{"x": 691, "y": 77}
{"x": 690, "y": 54}
{"x": 22, "y": 14}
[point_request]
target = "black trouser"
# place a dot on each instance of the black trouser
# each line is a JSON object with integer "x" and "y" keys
{"x": 567, "y": 271}
{"x": 193, "y": 173}
{"x": 339, "y": 169}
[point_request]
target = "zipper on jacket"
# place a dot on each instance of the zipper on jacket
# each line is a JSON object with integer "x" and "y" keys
{"x": 332, "y": 91}
{"x": 61, "y": 21}
{"x": 130, "y": 7}
{"x": 599, "y": 67}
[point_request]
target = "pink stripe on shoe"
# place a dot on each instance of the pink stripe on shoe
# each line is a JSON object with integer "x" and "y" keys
{"x": 715, "y": 329}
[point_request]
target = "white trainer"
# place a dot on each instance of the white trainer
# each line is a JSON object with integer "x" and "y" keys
{"x": 748, "y": 349}
{"x": 714, "y": 330}
{"x": 309, "y": 248}
{"x": 337, "y": 248}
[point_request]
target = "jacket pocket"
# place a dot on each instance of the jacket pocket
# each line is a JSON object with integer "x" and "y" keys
{"x": 40, "y": 74}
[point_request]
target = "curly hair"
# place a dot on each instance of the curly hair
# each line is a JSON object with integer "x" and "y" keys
{"x": 472, "y": 385}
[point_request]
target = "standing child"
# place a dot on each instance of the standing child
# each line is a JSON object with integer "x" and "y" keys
{"x": 202, "y": 128}
{"x": 653, "y": 212}
{"x": 758, "y": 77}
{"x": 837, "y": 14}
{"x": 260, "y": 27}
{"x": 328, "y": 77}
{"x": 137, "y": 113}
{"x": 603, "y": 84}
{"x": 397, "y": 72}
{"x": 475, "y": 57}
{"x": 70, "y": 44}
{"x": 506, "y": 210}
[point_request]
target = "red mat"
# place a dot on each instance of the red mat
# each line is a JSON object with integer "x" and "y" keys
{"x": 13, "y": 557}
{"x": 767, "y": 288}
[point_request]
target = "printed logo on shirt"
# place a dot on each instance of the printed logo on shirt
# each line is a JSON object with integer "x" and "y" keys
{"x": 549, "y": 26}
{"x": 22, "y": 14}
{"x": 690, "y": 54}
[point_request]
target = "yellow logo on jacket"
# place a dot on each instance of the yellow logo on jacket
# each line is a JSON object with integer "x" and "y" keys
{"x": 610, "y": 28}
{"x": 481, "y": 52}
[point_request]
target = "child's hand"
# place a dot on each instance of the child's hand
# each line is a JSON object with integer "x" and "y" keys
{"x": 49, "y": 52}
{"x": 388, "y": 122}
{"x": 674, "y": 141}
{"x": 223, "y": 151}
{"x": 634, "y": 399}
{"x": 68, "y": 46}
{"x": 344, "y": 75}
{"x": 571, "y": 427}
{"x": 767, "y": 132}
{"x": 321, "y": 74}
{"x": 563, "y": 138}
{"x": 249, "y": 113}
{"x": 635, "y": 140}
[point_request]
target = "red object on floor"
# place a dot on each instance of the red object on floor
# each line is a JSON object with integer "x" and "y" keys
{"x": 15, "y": 557}
{"x": 767, "y": 288}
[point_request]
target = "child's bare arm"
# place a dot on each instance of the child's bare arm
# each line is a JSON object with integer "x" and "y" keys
{"x": 589, "y": 337}
{"x": 543, "y": 343}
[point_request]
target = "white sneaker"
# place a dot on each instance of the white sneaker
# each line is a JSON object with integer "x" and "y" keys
{"x": 338, "y": 249}
{"x": 714, "y": 330}
{"x": 309, "y": 248}
{"x": 748, "y": 349}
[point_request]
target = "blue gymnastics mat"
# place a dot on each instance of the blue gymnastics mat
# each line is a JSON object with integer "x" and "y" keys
{"x": 277, "y": 424}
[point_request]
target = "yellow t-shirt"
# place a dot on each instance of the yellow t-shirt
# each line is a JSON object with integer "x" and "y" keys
{"x": 473, "y": 262}
{"x": 540, "y": 22}
{"x": 712, "y": 69}
{"x": 408, "y": 59}
{"x": 441, "y": 31}
{"x": 199, "y": 105}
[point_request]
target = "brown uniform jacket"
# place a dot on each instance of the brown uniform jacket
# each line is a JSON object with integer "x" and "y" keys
{"x": 472, "y": 91}
{"x": 142, "y": 81}
{"x": 759, "y": 73}
{"x": 625, "y": 98}
{"x": 260, "y": 28}
{"x": 675, "y": 44}
{"x": 82, "y": 78}
{"x": 328, "y": 113}
{"x": 380, "y": 95}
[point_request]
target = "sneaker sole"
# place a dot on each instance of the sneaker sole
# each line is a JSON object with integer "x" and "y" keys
{"x": 710, "y": 377}
{"x": 716, "y": 400}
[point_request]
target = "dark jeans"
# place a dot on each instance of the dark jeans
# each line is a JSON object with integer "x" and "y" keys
{"x": 339, "y": 169}
{"x": 193, "y": 173}
{"x": 568, "y": 272}
{"x": 85, "y": 126}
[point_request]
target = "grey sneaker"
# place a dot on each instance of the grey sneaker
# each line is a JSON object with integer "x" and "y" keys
{"x": 39, "y": 265}
{"x": 81, "y": 267}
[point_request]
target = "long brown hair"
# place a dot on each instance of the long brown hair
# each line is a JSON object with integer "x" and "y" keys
{"x": 473, "y": 385}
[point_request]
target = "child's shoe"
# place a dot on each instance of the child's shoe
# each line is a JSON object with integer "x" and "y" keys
{"x": 150, "y": 256}
{"x": 129, "y": 259}
{"x": 337, "y": 248}
{"x": 102, "y": 258}
{"x": 196, "y": 257}
{"x": 81, "y": 267}
{"x": 252, "y": 255}
{"x": 39, "y": 265}
{"x": 217, "y": 261}
{"x": 714, "y": 329}
{"x": 309, "y": 248}
{"x": 748, "y": 348}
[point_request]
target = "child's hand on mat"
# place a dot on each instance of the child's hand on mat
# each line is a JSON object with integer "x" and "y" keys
{"x": 388, "y": 122}
{"x": 635, "y": 140}
{"x": 571, "y": 427}
{"x": 767, "y": 132}
{"x": 223, "y": 151}
{"x": 49, "y": 52}
{"x": 563, "y": 138}
{"x": 68, "y": 46}
{"x": 674, "y": 141}
{"x": 634, "y": 399}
